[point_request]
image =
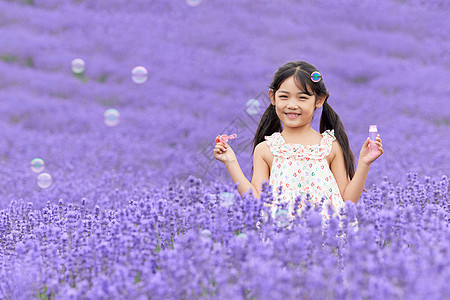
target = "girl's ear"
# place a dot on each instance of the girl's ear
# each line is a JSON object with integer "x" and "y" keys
{"x": 320, "y": 101}
{"x": 272, "y": 96}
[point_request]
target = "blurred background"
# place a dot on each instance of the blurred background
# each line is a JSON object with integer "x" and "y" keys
{"x": 71, "y": 95}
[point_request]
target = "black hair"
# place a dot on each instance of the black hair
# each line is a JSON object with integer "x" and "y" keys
{"x": 329, "y": 119}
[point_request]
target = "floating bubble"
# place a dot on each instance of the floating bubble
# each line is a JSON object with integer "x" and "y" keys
{"x": 227, "y": 199}
{"x": 44, "y": 180}
{"x": 212, "y": 198}
{"x": 111, "y": 117}
{"x": 193, "y": 3}
{"x": 253, "y": 107}
{"x": 139, "y": 74}
{"x": 78, "y": 66}
{"x": 205, "y": 234}
{"x": 282, "y": 218}
{"x": 242, "y": 236}
{"x": 37, "y": 165}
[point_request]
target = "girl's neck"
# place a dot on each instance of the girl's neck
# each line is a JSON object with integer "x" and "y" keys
{"x": 295, "y": 135}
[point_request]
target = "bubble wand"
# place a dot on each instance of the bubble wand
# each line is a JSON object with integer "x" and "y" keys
{"x": 224, "y": 138}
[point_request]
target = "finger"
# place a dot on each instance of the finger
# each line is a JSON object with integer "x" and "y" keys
{"x": 366, "y": 143}
{"x": 220, "y": 149}
{"x": 218, "y": 152}
{"x": 218, "y": 140}
{"x": 223, "y": 150}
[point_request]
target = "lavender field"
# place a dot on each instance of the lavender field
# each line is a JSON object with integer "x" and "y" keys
{"x": 136, "y": 207}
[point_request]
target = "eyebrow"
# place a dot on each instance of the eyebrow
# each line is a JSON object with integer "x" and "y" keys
{"x": 301, "y": 92}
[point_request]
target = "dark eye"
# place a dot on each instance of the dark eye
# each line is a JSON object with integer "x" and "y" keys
{"x": 283, "y": 97}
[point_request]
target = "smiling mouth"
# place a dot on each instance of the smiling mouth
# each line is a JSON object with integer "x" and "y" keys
{"x": 292, "y": 116}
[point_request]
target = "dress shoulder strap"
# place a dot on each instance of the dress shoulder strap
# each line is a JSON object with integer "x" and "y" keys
{"x": 327, "y": 140}
{"x": 274, "y": 141}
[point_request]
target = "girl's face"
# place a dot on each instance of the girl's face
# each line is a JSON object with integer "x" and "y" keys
{"x": 293, "y": 106}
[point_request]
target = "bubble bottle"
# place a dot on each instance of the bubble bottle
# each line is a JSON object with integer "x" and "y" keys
{"x": 373, "y": 132}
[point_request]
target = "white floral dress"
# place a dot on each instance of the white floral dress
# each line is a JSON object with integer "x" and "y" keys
{"x": 301, "y": 170}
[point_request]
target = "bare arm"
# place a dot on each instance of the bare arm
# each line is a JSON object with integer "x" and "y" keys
{"x": 352, "y": 189}
{"x": 261, "y": 171}
{"x": 260, "y": 168}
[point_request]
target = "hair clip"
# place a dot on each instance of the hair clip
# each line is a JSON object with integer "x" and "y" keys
{"x": 316, "y": 76}
{"x": 224, "y": 138}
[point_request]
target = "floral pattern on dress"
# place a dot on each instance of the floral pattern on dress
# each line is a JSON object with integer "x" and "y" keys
{"x": 303, "y": 170}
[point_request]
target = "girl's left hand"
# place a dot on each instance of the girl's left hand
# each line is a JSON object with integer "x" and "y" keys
{"x": 366, "y": 155}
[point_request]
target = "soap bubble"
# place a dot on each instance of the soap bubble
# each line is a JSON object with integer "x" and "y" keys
{"x": 78, "y": 66}
{"x": 111, "y": 117}
{"x": 139, "y": 74}
{"x": 44, "y": 180}
{"x": 227, "y": 199}
{"x": 205, "y": 234}
{"x": 193, "y": 3}
{"x": 212, "y": 198}
{"x": 242, "y": 236}
{"x": 37, "y": 165}
{"x": 282, "y": 218}
{"x": 252, "y": 107}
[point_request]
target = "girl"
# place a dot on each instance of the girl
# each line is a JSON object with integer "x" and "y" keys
{"x": 296, "y": 159}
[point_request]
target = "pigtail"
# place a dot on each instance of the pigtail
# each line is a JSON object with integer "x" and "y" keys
{"x": 270, "y": 123}
{"x": 330, "y": 120}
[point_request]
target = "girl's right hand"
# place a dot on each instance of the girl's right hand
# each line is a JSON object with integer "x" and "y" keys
{"x": 224, "y": 152}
